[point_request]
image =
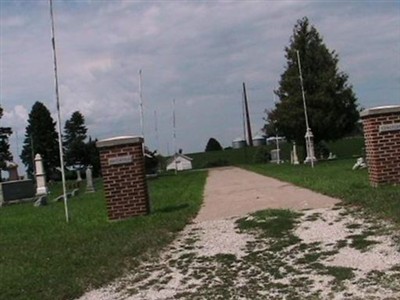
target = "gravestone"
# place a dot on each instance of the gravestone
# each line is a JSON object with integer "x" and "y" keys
{"x": 294, "y": 155}
{"x": 12, "y": 169}
{"x": 89, "y": 180}
{"x": 275, "y": 156}
{"x": 41, "y": 188}
{"x": 78, "y": 175}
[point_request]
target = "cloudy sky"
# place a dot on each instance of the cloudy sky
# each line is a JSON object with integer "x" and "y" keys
{"x": 197, "y": 52}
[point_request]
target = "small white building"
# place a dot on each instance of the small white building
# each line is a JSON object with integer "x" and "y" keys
{"x": 179, "y": 162}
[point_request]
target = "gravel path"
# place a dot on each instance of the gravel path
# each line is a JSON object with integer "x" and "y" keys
{"x": 330, "y": 252}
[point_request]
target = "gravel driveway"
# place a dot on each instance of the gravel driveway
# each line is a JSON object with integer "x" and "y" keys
{"x": 316, "y": 250}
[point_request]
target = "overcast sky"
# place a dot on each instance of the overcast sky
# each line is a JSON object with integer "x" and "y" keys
{"x": 198, "y": 52}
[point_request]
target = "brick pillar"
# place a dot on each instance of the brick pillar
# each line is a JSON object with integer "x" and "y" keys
{"x": 124, "y": 177}
{"x": 382, "y": 141}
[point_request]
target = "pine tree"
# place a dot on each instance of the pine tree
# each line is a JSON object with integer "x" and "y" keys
{"x": 331, "y": 102}
{"x": 41, "y": 137}
{"x": 92, "y": 156}
{"x": 74, "y": 139}
{"x": 5, "y": 154}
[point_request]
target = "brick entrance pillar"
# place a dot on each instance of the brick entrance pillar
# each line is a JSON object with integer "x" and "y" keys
{"x": 382, "y": 141}
{"x": 124, "y": 177}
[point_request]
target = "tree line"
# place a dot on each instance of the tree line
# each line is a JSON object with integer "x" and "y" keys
{"x": 41, "y": 137}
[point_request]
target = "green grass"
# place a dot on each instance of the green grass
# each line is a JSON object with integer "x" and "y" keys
{"x": 345, "y": 148}
{"x": 337, "y": 179}
{"x": 235, "y": 156}
{"x": 43, "y": 257}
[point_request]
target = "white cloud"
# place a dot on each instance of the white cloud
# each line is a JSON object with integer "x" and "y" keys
{"x": 197, "y": 52}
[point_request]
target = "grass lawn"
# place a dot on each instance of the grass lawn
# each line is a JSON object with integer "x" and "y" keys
{"x": 337, "y": 179}
{"x": 43, "y": 257}
{"x": 344, "y": 149}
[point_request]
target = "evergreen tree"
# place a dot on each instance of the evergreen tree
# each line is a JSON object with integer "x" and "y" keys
{"x": 92, "y": 156}
{"x": 41, "y": 137}
{"x": 74, "y": 139}
{"x": 213, "y": 145}
{"x": 5, "y": 154}
{"x": 331, "y": 102}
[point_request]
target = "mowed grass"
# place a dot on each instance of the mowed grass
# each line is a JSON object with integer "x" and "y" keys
{"x": 337, "y": 179}
{"x": 343, "y": 149}
{"x": 43, "y": 257}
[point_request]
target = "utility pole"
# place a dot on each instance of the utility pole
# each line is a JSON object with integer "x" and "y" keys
{"x": 246, "y": 106}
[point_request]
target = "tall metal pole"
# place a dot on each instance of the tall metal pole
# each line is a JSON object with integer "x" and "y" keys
{"x": 53, "y": 39}
{"x": 174, "y": 128}
{"x": 156, "y": 130}
{"x": 141, "y": 104}
{"x": 309, "y": 135}
{"x": 247, "y": 117}
{"x": 277, "y": 138}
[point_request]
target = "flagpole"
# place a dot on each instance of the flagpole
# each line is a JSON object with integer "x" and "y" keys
{"x": 141, "y": 103}
{"x": 53, "y": 40}
{"x": 174, "y": 127}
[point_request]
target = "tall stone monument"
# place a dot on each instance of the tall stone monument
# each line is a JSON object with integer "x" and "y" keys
{"x": 382, "y": 142}
{"x": 124, "y": 177}
{"x": 41, "y": 188}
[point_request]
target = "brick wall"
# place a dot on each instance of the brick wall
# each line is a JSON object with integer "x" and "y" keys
{"x": 382, "y": 144}
{"x": 124, "y": 177}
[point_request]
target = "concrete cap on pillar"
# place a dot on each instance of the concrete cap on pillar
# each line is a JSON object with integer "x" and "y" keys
{"x": 119, "y": 140}
{"x": 380, "y": 110}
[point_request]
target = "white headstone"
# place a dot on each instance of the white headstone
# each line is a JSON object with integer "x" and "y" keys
{"x": 78, "y": 176}
{"x": 41, "y": 188}
{"x": 89, "y": 180}
{"x": 295, "y": 157}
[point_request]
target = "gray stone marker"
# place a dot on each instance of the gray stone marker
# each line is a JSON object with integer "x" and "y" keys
{"x": 275, "y": 156}
{"x": 41, "y": 188}
{"x": 78, "y": 176}
{"x": 293, "y": 156}
{"x": 89, "y": 180}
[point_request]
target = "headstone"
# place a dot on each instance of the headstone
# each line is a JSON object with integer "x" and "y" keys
{"x": 331, "y": 156}
{"x": 275, "y": 156}
{"x": 12, "y": 169}
{"x": 360, "y": 164}
{"x": 78, "y": 176}
{"x": 295, "y": 157}
{"x": 89, "y": 180}
{"x": 41, "y": 188}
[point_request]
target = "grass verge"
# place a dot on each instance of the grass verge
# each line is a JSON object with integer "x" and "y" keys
{"x": 43, "y": 257}
{"x": 337, "y": 179}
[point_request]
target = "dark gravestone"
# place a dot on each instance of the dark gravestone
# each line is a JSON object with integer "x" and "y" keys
{"x": 17, "y": 191}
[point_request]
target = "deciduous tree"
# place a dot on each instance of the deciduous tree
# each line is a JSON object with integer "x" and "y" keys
{"x": 213, "y": 145}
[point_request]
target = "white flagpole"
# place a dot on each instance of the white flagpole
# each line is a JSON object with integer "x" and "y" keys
{"x": 53, "y": 40}
{"x": 174, "y": 125}
{"x": 141, "y": 104}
